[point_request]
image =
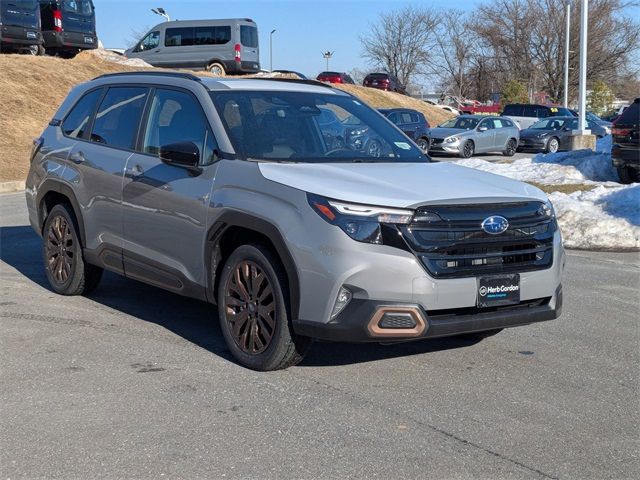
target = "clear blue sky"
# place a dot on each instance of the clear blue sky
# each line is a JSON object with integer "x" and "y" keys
{"x": 304, "y": 28}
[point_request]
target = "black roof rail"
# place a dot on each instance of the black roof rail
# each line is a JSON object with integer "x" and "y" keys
{"x": 295, "y": 80}
{"x": 186, "y": 76}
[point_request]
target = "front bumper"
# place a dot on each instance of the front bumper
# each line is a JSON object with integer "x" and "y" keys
{"x": 442, "y": 147}
{"x": 532, "y": 144}
{"x": 361, "y": 320}
{"x": 69, "y": 40}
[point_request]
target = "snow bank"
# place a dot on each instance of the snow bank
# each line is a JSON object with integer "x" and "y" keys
{"x": 109, "y": 56}
{"x": 605, "y": 218}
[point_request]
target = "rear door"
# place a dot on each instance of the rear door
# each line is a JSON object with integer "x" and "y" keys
{"x": 78, "y": 17}
{"x": 249, "y": 50}
{"x": 501, "y": 134}
{"x": 96, "y": 166}
{"x": 165, "y": 206}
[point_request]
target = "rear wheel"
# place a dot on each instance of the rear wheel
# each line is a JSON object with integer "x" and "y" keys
{"x": 628, "y": 175}
{"x": 552, "y": 145}
{"x": 66, "y": 270}
{"x": 217, "y": 69}
{"x": 253, "y": 311}
{"x": 467, "y": 149}
{"x": 510, "y": 149}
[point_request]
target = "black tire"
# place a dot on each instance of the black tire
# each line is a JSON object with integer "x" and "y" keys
{"x": 628, "y": 175}
{"x": 467, "y": 149}
{"x": 374, "y": 149}
{"x": 423, "y": 143}
{"x": 552, "y": 146}
{"x": 477, "y": 336}
{"x": 510, "y": 149}
{"x": 249, "y": 345}
{"x": 65, "y": 267}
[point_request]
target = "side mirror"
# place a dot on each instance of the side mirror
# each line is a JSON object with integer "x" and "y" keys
{"x": 181, "y": 154}
{"x": 482, "y": 129}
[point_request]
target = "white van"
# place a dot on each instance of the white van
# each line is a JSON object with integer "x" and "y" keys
{"x": 220, "y": 46}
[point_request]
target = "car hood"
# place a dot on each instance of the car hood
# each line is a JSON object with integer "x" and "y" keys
{"x": 439, "y": 132}
{"x": 402, "y": 185}
{"x": 533, "y": 133}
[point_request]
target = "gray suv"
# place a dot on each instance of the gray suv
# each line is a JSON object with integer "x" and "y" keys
{"x": 227, "y": 191}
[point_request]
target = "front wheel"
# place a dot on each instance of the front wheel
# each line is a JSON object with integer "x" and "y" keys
{"x": 253, "y": 311}
{"x": 467, "y": 149}
{"x": 552, "y": 145}
{"x": 66, "y": 270}
{"x": 423, "y": 143}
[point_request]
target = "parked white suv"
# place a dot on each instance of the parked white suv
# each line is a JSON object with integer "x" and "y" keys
{"x": 228, "y": 191}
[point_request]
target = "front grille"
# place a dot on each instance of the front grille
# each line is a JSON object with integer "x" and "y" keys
{"x": 452, "y": 243}
{"x": 437, "y": 141}
{"x": 464, "y": 311}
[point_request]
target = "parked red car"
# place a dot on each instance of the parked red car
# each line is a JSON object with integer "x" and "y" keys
{"x": 335, "y": 77}
{"x": 384, "y": 81}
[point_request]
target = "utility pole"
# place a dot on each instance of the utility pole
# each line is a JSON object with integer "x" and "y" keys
{"x": 271, "y": 50}
{"x": 327, "y": 55}
{"x": 567, "y": 36}
{"x": 582, "y": 96}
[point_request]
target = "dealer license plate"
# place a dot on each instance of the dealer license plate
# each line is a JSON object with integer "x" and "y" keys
{"x": 498, "y": 290}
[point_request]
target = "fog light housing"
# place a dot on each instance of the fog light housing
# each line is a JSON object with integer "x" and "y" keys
{"x": 342, "y": 300}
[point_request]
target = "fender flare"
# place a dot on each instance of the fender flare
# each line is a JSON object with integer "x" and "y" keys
{"x": 236, "y": 218}
{"x": 52, "y": 185}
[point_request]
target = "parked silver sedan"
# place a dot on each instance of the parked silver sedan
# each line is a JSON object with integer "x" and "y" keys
{"x": 469, "y": 134}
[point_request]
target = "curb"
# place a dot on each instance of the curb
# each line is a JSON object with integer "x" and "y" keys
{"x": 10, "y": 187}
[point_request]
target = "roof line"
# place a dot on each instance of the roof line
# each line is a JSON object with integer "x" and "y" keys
{"x": 186, "y": 76}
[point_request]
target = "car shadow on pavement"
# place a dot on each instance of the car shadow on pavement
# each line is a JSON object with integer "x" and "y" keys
{"x": 193, "y": 320}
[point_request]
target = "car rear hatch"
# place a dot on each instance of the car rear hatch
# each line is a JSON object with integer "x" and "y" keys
{"x": 20, "y": 19}
{"x": 78, "y": 17}
{"x": 626, "y": 128}
{"x": 247, "y": 51}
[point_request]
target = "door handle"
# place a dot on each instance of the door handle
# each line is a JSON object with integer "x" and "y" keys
{"x": 78, "y": 158}
{"x": 134, "y": 172}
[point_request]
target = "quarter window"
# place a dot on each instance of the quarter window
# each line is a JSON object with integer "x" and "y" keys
{"x": 118, "y": 117}
{"x": 174, "y": 117}
{"x": 77, "y": 121}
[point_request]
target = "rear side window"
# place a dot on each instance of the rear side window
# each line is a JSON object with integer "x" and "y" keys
{"x": 513, "y": 110}
{"x": 116, "y": 123}
{"x": 497, "y": 123}
{"x": 77, "y": 121}
{"x": 212, "y": 35}
{"x": 530, "y": 111}
{"x": 174, "y": 117}
{"x": 179, "y": 37}
{"x": 248, "y": 36}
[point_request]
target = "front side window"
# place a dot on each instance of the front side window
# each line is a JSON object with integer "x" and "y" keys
{"x": 548, "y": 124}
{"x": 287, "y": 126}
{"x": 118, "y": 117}
{"x": 249, "y": 36}
{"x": 77, "y": 121}
{"x": 149, "y": 42}
{"x": 174, "y": 117}
{"x": 487, "y": 124}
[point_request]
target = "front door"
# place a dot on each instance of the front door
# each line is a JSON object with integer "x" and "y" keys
{"x": 485, "y": 134}
{"x": 165, "y": 206}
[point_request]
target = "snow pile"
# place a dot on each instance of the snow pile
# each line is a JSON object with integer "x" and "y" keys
{"x": 605, "y": 218}
{"x": 602, "y": 216}
{"x": 582, "y": 166}
{"x": 113, "y": 57}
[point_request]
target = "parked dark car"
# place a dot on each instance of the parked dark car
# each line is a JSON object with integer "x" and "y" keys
{"x": 335, "y": 77}
{"x": 412, "y": 123}
{"x": 554, "y": 133}
{"x": 68, "y": 26}
{"x": 626, "y": 143}
{"x": 606, "y": 124}
{"x": 333, "y": 131}
{"x": 525, "y": 114}
{"x": 20, "y": 27}
{"x": 384, "y": 81}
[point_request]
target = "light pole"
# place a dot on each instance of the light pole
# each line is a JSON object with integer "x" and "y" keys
{"x": 327, "y": 55}
{"x": 271, "y": 49}
{"x": 582, "y": 96}
{"x": 161, "y": 11}
{"x": 567, "y": 36}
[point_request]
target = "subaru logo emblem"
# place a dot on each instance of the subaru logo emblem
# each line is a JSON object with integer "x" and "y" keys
{"x": 494, "y": 225}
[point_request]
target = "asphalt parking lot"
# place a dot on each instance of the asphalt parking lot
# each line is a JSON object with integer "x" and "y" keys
{"x": 136, "y": 382}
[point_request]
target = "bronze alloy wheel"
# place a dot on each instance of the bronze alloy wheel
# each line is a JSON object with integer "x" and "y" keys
{"x": 60, "y": 250}
{"x": 250, "y": 307}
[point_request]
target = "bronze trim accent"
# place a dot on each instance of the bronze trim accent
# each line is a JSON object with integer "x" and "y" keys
{"x": 416, "y": 314}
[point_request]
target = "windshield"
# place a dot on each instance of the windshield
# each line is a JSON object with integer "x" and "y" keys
{"x": 549, "y": 124}
{"x": 292, "y": 127}
{"x": 461, "y": 123}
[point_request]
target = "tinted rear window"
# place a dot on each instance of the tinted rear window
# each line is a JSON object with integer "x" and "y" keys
{"x": 212, "y": 35}
{"x": 178, "y": 37}
{"x": 116, "y": 123}
{"x": 631, "y": 115}
{"x": 80, "y": 7}
{"x": 249, "y": 36}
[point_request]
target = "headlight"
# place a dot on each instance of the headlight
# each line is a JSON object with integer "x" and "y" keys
{"x": 451, "y": 139}
{"x": 546, "y": 210}
{"x": 360, "y": 222}
{"x": 360, "y": 131}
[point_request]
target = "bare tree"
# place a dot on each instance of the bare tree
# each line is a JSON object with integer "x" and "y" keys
{"x": 401, "y": 42}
